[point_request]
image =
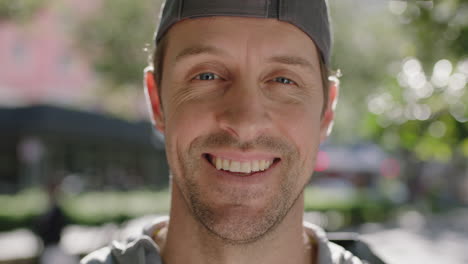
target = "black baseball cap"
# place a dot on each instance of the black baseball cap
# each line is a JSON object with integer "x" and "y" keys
{"x": 311, "y": 16}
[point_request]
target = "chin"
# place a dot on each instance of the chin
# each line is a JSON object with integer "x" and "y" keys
{"x": 243, "y": 223}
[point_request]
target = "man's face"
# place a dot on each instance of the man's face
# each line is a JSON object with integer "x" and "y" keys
{"x": 242, "y": 101}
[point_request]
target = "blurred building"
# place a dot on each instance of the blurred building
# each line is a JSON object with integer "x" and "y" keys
{"x": 41, "y": 64}
{"x": 41, "y": 144}
{"x": 39, "y": 60}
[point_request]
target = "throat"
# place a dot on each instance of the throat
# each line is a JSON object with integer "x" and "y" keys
{"x": 212, "y": 251}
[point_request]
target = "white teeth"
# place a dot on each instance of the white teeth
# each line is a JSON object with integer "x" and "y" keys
{"x": 261, "y": 165}
{"x": 238, "y": 166}
{"x": 245, "y": 167}
{"x": 226, "y": 165}
{"x": 255, "y": 166}
{"x": 219, "y": 163}
{"x": 235, "y": 166}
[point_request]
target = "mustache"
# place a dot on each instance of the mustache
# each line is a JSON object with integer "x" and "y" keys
{"x": 226, "y": 140}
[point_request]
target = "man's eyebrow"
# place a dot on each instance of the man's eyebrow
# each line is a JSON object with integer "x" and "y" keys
{"x": 293, "y": 60}
{"x": 197, "y": 50}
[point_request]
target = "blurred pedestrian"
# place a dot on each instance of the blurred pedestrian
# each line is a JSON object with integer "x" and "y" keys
{"x": 49, "y": 227}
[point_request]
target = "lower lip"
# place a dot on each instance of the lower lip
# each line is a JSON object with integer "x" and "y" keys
{"x": 244, "y": 178}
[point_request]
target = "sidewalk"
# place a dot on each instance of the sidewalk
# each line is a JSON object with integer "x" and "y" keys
{"x": 418, "y": 239}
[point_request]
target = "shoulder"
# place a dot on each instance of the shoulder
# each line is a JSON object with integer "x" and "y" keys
{"x": 100, "y": 256}
{"x": 329, "y": 252}
{"x": 340, "y": 255}
{"x": 141, "y": 250}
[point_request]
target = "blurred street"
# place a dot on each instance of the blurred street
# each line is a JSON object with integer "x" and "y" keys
{"x": 440, "y": 239}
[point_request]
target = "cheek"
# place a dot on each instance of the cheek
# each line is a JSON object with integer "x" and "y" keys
{"x": 184, "y": 124}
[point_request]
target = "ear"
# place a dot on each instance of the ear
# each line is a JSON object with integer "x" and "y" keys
{"x": 329, "y": 113}
{"x": 152, "y": 99}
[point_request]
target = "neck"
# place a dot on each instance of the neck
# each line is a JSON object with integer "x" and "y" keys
{"x": 188, "y": 241}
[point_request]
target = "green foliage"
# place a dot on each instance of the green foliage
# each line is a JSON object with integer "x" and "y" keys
{"x": 367, "y": 40}
{"x": 464, "y": 147}
{"x": 92, "y": 208}
{"x": 439, "y": 30}
{"x": 100, "y": 207}
{"x": 354, "y": 210}
{"x": 19, "y": 9}
{"x": 116, "y": 38}
{"x": 21, "y": 209}
{"x": 316, "y": 199}
{"x": 423, "y": 110}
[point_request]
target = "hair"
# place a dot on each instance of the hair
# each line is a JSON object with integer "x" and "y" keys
{"x": 157, "y": 61}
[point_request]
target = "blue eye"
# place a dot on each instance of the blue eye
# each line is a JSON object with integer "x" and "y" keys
{"x": 207, "y": 76}
{"x": 283, "y": 80}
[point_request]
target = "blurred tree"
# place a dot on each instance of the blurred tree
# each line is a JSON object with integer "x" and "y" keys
{"x": 367, "y": 42}
{"x": 426, "y": 113}
{"x": 116, "y": 39}
{"x": 19, "y": 10}
{"x": 421, "y": 110}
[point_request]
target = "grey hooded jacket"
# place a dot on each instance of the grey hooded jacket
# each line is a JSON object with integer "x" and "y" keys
{"x": 143, "y": 250}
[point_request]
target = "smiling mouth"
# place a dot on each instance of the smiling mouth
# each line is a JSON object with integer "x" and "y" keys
{"x": 237, "y": 166}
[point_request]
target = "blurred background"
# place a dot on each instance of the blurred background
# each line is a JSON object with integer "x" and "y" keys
{"x": 79, "y": 160}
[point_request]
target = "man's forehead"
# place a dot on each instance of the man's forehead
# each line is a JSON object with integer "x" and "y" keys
{"x": 286, "y": 59}
{"x": 270, "y": 40}
{"x": 310, "y": 16}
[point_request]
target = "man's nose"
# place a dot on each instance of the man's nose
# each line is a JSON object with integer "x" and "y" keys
{"x": 244, "y": 114}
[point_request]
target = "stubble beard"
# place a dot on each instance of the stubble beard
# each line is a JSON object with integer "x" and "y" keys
{"x": 242, "y": 228}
